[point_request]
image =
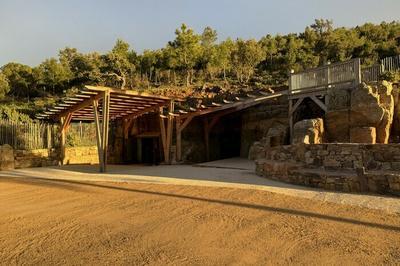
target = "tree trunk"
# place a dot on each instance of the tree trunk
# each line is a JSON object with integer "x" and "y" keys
{"x": 187, "y": 78}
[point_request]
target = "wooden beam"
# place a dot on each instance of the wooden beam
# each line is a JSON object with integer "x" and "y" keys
{"x": 206, "y": 138}
{"x": 291, "y": 120}
{"x": 237, "y": 105}
{"x": 319, "y": 103}
{"x": 126, "y": 92}
{"x": 98, "y": 132}
{"x": 169, "y": 130}
{"x": 296, "y": 105}
{"x": 106, "y": 117}
{"x": 163, "y": 137}
{"x": 186, "y": 122}
{"x": 63, "y": 131}
{"x": 178, "y": 140}
{"x": 81, "y": 105}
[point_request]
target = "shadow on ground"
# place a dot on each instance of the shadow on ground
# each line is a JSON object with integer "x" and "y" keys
{"x": 82, "y": 186}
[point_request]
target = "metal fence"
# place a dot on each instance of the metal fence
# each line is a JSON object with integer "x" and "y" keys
{"x": 327, "y": 76}
{"x": 39, "y": 135}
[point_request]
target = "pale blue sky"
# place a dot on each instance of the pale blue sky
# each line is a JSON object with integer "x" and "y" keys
{"x": 33, "y": 30}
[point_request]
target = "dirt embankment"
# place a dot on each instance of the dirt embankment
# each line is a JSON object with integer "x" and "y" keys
{"x": 53, "y": 222}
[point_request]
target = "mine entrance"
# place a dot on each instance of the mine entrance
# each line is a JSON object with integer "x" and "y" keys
{"x": 144, "y": 150}
{"x": 225, "y": 138}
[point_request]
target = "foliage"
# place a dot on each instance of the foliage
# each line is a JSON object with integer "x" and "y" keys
{"x": 392, "y": 76}
{"x": 4, "y": 85}
{"x": 193, "y": 59}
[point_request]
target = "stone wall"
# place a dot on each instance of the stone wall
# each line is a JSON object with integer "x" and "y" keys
{"x": 81, "y": 155}
{"x": 36, "y": 158}
{"x": 10, "y": 159}
{"x": 6, "y": 157}
{"x": 342, "y": 167}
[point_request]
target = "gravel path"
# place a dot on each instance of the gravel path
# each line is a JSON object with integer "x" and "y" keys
{"x": 231, "y": 173}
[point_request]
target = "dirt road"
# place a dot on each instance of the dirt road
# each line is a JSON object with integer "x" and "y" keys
{"x": 76, "y": 222}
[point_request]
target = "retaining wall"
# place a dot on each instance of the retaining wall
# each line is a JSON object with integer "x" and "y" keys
{"x": 10, "y": 159}
{"x": 342, "y": 167}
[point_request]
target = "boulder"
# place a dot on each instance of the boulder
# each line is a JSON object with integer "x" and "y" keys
{"x": 373, "y": 107}
{"x": 309, "y": 131}
{"x": 6, "y": 157}
{"x": 337, "y": 125}
{"x": 276, "y": 135}
{"x": 363, "y": 135}
{"x": 370, "y": 106}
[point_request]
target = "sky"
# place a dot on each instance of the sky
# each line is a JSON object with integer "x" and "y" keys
{"x": 33, "y": 30}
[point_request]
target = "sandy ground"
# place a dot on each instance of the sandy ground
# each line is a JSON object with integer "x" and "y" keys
{"x": 46, "y": 221}
{"x": 228, "y": 173}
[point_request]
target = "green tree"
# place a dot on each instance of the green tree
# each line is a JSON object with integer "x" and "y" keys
{"x": 117, "y": 63}
{"x": 4, "y": 85}
{"x": 54, "y": 75}
{"x": 186, "y": 50}
{"x": 20, "y": 79}
{"x": 245, "y": 57}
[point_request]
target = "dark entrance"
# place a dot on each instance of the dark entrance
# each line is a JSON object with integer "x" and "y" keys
{"x": 225, "y": 138}
{"x": 143, "y": 150}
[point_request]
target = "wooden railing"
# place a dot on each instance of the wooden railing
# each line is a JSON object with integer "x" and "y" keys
{"x": 29, "y": 135}
{"x": 321, "y": 78}
{"x": 388, "y": 64}
{"x": 39, "y": 135}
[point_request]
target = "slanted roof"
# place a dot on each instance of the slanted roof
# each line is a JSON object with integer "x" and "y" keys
{"x": 237, "y": 105}
{"x": 123, "y": 104}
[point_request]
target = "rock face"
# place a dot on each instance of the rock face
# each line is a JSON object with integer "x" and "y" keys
{"x": 369, "y": 106}
{"x": 309, "y": 131}
{"x": 275, "y": 136}
{"x": 6, "y": 157}
{"x": 363, "y": 135}
{"x": 396, "y": 116}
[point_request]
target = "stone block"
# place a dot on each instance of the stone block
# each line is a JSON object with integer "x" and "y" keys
{"x": 363, "y": 135}
{"x": 331, "y": 163}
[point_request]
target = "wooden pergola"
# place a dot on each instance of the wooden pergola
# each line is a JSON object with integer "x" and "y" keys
{"x": 102, "y": 104}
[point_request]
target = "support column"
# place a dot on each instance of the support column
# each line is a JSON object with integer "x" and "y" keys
{"x": 163, "y": 136}
{"x": 98, "y": 133}
{"x": 291, "y": 120}
{"x": 106, "y": 117}
{"x": 62, "y": 141}
{"x": 206, "y": 138}
{"x": 65, "y": 121}
{"x": 178, "y": 140}
{"x": 169, "y": 132}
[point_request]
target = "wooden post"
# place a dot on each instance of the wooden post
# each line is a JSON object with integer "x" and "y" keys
{"x": 178, "y": 140}
{"x": 48, "y": 137}
{"x": 206, "y": 138}
{"x": 169, "y": 132}
{"x": 98, "y": 133}
{"x": 62, "y": 141}
{"x": 291, "y": 120}
{"x": 163, "y": 136}
{"x": 64, "y": 127}
{"x": 357, "y": 70}
{"x": 106, "y": 117}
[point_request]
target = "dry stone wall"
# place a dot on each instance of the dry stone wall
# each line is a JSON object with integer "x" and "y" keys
{"x": 342, "y": 167}
{"x": 10, "y": 158}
